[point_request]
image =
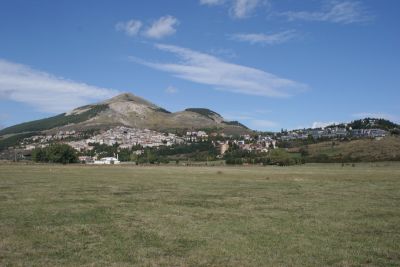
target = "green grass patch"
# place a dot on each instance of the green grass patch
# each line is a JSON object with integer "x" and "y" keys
{"x": 309, "y": 215}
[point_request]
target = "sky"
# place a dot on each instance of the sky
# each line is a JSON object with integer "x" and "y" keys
{"x": 270, "y": 64}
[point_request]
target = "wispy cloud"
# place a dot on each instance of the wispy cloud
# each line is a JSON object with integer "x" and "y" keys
{"x": 243, "y": 8}
{"x": 131, "y": 27}
{"x": 44, "y": 91}
{"x": 162, "y": 27}
{"x": 265, "y": 39}
{"x": 376, "y": 115}
{"x": 223, "y": 52}
{"x": 212, "y": 2}
{"x": 344, "y": 12}
{"x": 206, "y": 69}
{"x": 171, "y": 90}
{"x": 238, "y": 9}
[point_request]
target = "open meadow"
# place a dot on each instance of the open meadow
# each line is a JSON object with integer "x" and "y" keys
{"x": 310, "y": 215}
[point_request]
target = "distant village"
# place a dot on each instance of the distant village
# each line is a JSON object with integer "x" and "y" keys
{"x": 335, "y": 132}
{"x": 127, "y": 138}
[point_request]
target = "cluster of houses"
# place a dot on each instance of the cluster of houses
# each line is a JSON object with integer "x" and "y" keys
{"x": 374, "y": 133}
{"x": 196, "y": 136}
{"x": 124, "y": 136}
{"x": 127, "y": 137}
{"x": 332, "y": 133}
{"x": 44, "y": 139}
{"x": 247, "y": 143}
{"x": 259, "y": 144}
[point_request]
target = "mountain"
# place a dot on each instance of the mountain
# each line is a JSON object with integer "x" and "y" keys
{"x": 131, "y": 111}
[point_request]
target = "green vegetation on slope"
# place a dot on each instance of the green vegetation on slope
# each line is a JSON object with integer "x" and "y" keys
{"x": 370, "y": 123}
{"x": 14, "y": 140}
{"x": 313, "y": 215}
{"x": 56, "y": 121}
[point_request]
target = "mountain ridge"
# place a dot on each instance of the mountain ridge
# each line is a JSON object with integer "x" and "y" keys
{"x": 129, "y": 110}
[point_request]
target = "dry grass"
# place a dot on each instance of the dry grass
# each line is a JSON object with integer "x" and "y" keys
{"x": 313, "y": 215}
{"x": 364, "y": 149}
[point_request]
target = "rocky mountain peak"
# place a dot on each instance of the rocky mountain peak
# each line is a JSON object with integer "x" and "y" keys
{"x": 129, "y": 97}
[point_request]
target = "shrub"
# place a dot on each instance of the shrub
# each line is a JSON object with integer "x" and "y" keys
{"x": 57, "y": 153}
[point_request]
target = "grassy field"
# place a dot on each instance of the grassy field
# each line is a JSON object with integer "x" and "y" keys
{"x": 312, "y": 215}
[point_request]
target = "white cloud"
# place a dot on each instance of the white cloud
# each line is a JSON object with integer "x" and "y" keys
{"x": 210, "y": 70}
{"x": 131, "y": 27}
{"x": 223, "y": 52}
{"x": 344, "y": 12}
{"x": 320, "y": 124}
{"x": 162, "y": 27}
{"x": 212, "y": 2}
{"x": 238, "y": 9}
{"x": 171, "y": 90}
{"x": 261, "y": 38}
{"x": 44, "y": 91}
{"x": 243, "y": 8}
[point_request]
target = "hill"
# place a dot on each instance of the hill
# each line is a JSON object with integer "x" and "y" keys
{"x": 368, "y": 150}
{"x": 131, "y": 111}
{"x": 369, "y": 123}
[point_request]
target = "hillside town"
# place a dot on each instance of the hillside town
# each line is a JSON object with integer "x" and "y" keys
{"x": 91, "y": 144}
{"x": 126, "y": 137}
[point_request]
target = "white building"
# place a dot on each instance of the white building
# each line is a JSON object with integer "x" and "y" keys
{"x": 107, "y": 160}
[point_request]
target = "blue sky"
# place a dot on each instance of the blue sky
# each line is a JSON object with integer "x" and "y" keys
{"x": 270, "y": 64}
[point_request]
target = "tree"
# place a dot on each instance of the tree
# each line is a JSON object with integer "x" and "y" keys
{"x": 304, "y": 152}
{"x": 39, "y": 155}
{"x": 281, "y": 157}
{"x": 62, "y": 153}
{"x": 56, "y": 153}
